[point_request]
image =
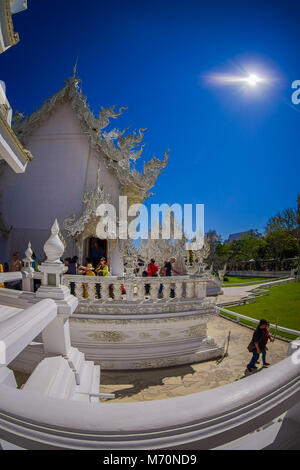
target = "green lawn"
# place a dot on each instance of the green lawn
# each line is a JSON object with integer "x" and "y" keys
{"x": 244, "y": 280}
{"x": 283, "y": 304}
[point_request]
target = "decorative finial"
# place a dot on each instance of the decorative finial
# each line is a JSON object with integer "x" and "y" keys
{"x": 75, "y": 68}
{"x": 28, "y": 253}
{"x": 54, "y": 247}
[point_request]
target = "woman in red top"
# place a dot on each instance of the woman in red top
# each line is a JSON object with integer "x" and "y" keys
{"x": 152, "y": 268}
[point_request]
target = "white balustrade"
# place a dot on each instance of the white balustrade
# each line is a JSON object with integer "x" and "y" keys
{"x": 137, "y": 288}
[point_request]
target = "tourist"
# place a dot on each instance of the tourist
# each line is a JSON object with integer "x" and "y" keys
{"x": 102, "y": 270}
{"x": 35, "y": 262}
{"x": 264, "y": 351}
{"x": 67, "y": 263}
{"x": 84, "y": 269}
{"x": 152, "y": 268}
{"x": 96, "y": 253}
{"x": 16, "y": 264}
{"x": 147, "y": 286}
{"x": 162, "y": 273}
{"x": 257, "y": 344}
{"x": 89, "y": 271}
{"x": 168, "y": 270}
{"x": 73, "y": 266}
{"x": 36, "y": 282}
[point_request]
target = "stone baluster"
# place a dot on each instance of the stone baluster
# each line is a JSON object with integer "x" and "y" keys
{"x": 141, "y": 289}
{"x": 190, "y": 289}
{"x": 79, "y": 290}
{"x": 91, "y": 290}
{"x": 129, "y": 286}
{"x": 179, "y": 290}
{"x": 66, "y": 282}
{"x": 117, "y": 291}
{"x": 154, "y": 287}
{"x": 200, "y": 289}
{"x": 167, "y": 290}
{"x": 105, "y": 294}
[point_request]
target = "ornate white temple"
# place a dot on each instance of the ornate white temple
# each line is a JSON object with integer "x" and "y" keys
{"x": 76, "y": 166}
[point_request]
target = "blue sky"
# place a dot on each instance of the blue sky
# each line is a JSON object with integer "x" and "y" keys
{"x": 235, "y": 151}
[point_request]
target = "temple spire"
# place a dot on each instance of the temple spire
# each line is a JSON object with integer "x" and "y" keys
{"x": 75, "y": 68}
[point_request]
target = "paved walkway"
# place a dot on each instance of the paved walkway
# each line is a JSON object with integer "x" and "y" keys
{"x": 156, "y": 384}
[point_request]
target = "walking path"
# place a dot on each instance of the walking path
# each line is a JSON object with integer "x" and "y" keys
{"x": 156, "y": 384}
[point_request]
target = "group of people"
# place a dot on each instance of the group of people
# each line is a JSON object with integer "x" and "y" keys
{"x": 101, "y": 269}
{"x": 258, "y": 345}
{"x": 166, "y": 270}
{"x": 74, "y": 267}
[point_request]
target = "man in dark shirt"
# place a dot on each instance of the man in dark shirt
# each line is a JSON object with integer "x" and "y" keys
{"x": 169, "y": 267}
{"x": 259, "y": 344}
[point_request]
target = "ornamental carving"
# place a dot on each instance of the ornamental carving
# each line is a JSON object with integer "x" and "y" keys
{"x": 74, "y": 224}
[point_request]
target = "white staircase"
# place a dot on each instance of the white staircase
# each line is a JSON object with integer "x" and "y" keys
{"x": 68, "y": 377}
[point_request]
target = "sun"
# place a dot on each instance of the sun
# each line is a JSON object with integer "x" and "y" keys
{"x": 253, "y": 79}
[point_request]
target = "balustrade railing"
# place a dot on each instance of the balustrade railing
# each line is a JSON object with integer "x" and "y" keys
{"x": 135, "y": 289}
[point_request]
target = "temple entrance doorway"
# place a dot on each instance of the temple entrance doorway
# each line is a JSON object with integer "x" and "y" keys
{"x": 96, "y": 248}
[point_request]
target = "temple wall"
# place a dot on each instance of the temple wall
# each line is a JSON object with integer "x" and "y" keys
{"x": 52, "y": 186}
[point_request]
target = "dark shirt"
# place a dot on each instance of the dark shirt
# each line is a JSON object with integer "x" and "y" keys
{"x": 168, "y": 267}
{"x": 259, "y": 337}
{"x": 72, "y": 268}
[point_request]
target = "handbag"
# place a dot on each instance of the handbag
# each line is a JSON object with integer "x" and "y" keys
{"x": 251, "y": 346}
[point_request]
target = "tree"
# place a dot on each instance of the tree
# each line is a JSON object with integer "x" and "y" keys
{"x": 285, "y": 220}
{"x": 281, "y": 244}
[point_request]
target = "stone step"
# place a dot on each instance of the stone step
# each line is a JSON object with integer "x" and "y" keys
{"x": 52, "y": 377}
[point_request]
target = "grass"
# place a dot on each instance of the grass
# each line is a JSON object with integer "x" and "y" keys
{"x": 232, "y": 280}
{"x": 282, "y": 305}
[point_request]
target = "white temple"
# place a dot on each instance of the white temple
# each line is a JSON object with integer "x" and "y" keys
{"x": 76, "y": 166}
{"x": 58, "y": 407}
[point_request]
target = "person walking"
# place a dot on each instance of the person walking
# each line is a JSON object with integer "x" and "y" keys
{"x": 264, "y": 351}
{"x": 257, "y": 344}
{"x": 168, "y": 270}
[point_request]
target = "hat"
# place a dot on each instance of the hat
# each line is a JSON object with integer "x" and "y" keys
{"x": 90, "y": 267}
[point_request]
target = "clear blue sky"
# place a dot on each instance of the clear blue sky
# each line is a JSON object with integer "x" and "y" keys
{"x": 238, "y": 153}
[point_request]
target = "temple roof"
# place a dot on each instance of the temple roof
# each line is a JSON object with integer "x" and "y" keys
{"x": 120, "y": 150}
